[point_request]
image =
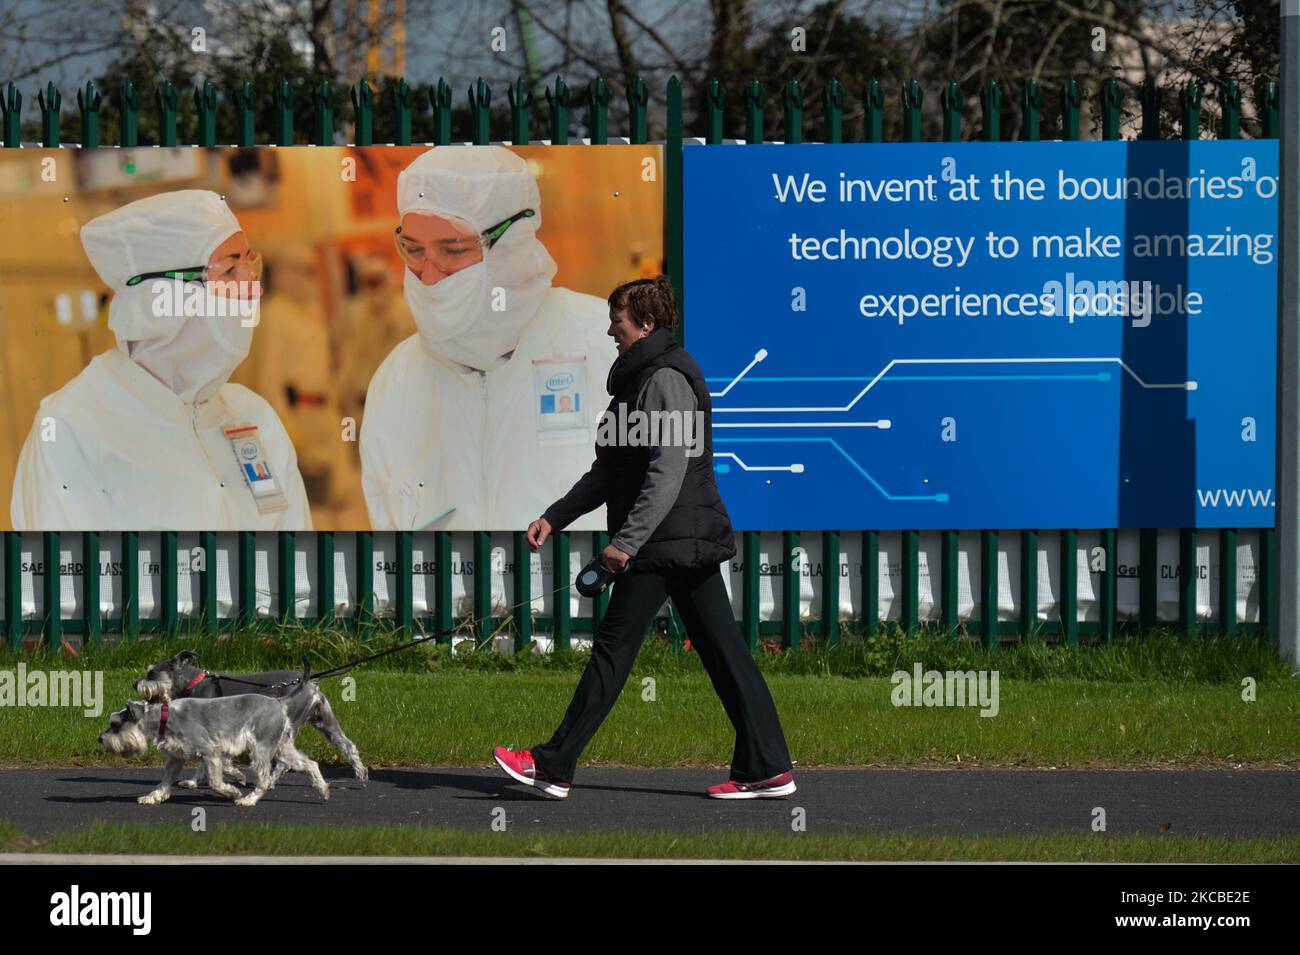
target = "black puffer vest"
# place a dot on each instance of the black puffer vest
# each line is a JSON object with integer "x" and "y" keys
{"x": 696, "y": 532}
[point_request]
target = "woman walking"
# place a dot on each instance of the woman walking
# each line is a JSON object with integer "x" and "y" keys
{"x": 669, "y": 534}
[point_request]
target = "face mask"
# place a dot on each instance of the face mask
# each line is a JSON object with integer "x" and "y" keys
{"x": 204, "y": 352}
{"x": 234, "y": 334}
{"x": 456, "y": 321}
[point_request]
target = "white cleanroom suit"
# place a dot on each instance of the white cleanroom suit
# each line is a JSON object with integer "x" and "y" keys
{"x": 151, "y": 435}
{"x": 489, "y": 412}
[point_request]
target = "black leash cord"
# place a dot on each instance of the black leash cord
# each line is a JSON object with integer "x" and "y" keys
{"x": 336, "y": 671}
{"x": 359, "y": 660}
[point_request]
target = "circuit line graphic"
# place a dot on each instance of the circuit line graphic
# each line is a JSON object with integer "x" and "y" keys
{"x": 762, "y": 354}
{"x": 885, "y": 423}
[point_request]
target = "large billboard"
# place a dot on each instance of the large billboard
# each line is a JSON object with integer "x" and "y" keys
{"x": 971, "y": 335}
{"x": 389, "y": 338}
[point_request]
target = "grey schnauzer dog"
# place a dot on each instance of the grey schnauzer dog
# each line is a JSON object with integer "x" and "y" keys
{"x": 212, "y": 731}
{"x": 180, "y": 677}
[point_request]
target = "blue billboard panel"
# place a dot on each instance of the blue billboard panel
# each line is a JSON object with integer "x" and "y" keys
{"x": 987, "y": 335}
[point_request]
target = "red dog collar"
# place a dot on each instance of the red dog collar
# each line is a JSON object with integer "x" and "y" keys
{"x": 193, "y": 683}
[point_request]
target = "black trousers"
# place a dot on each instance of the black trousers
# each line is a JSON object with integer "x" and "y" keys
{"x": 701, "y": 599}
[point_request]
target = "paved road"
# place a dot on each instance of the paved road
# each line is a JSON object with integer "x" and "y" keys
{"x": 960, "y": 801}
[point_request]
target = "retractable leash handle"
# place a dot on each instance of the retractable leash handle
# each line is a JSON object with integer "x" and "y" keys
{"x": 595, "y": 577}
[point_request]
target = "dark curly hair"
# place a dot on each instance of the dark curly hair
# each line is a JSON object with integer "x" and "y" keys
{"x": 645, "y": 299}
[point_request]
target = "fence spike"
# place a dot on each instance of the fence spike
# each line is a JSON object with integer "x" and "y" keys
{"x": 1031, "y": 111}
{"x": 521, "y": 98}
{"x": 363, "y": 102}
{"x": 558, "y": 99}
{"x": 284, "y": 101}
{"x": 245, "y": 103}
{"x": 638, "y": 96}
{"x": 88, "y": 103}
{"x": 1112, "y": 102}
{"x": 51, "y": 103}
{"x": 205, "y": 103}
{"x": 11, "y": 105}
{"x": 833, "y": 107}
{"x": 913, "y": 98}
{"x": 165, "y": 99}
{"x": 324, "y": 114}
{"x": 598, "y": 111}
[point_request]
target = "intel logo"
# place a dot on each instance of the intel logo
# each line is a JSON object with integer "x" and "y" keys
{"x": 559, "y": 382}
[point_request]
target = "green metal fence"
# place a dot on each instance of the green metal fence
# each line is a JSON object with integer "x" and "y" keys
{"x": 402, "y": 99}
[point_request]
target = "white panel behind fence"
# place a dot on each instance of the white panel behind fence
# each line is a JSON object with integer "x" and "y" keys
{"x": 1127, "y": 590}
{"x": 189, "y": 580}
{"x": 889, "y": 576}
{"x": 1248, "y": 581}
{"x": 1010, "y": 600}
{"x": 33, "y": 575}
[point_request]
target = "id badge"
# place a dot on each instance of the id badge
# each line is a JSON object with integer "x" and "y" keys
{"x": 560, "y": 400}
{"x": 265, "y": 487}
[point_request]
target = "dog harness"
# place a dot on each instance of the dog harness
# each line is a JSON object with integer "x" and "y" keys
{"x": 162, "y": 723}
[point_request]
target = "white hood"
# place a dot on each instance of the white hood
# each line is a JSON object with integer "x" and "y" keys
{"x": 194, "y": 355}
{"x": 481, "y": 185}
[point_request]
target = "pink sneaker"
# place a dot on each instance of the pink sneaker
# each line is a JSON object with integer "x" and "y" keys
{"x": 520, "y": 766}
{"x": 773, "y": 788}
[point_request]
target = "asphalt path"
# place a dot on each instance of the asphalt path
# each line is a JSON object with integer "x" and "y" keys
{"x": 1236, "y": 803}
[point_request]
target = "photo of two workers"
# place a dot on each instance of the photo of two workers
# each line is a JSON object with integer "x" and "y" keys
{"x": 409, "y": 331}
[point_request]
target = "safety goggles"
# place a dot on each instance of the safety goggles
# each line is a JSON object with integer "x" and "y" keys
{"x": 234, "y": 268}
{"x": 452, "y": 255}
